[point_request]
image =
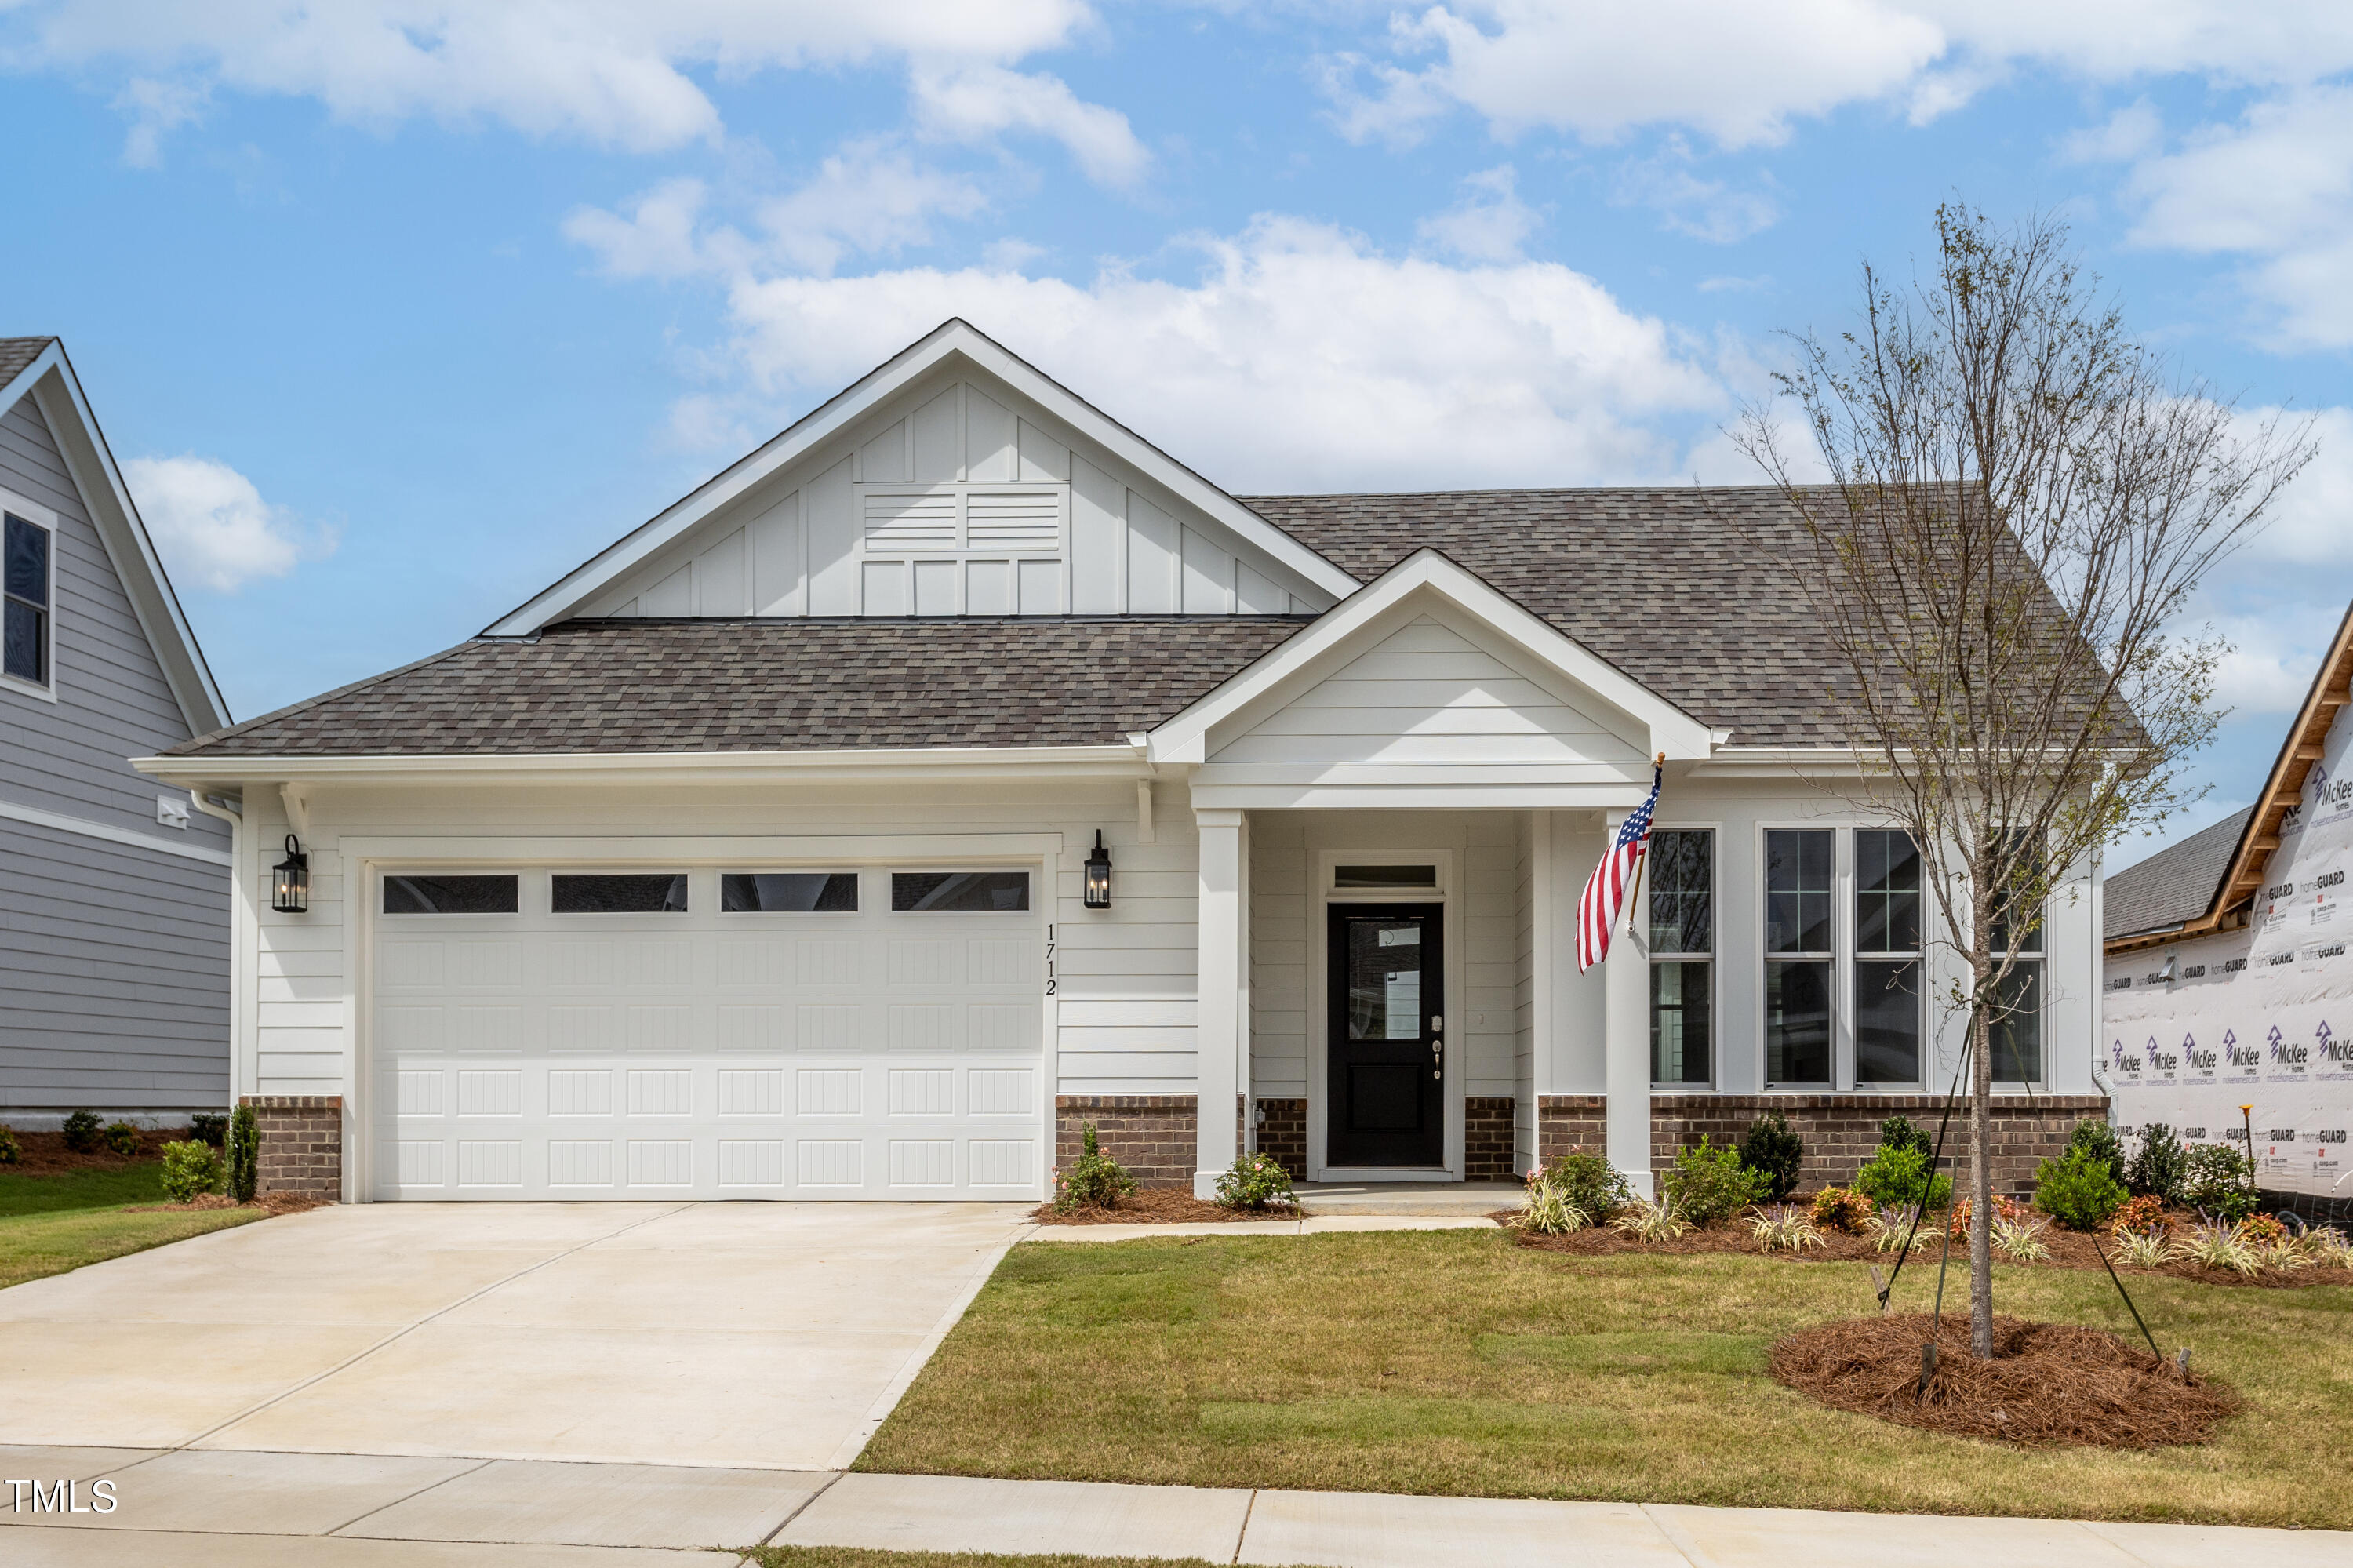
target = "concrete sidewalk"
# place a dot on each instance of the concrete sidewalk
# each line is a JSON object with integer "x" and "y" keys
{"x": 208, "y": 1508}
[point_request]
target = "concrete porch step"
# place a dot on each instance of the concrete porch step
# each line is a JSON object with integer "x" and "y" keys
{"x": 1416, "y": 1199}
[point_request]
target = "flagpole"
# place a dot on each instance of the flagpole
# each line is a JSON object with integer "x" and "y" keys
{"x": 1634, "y": 893}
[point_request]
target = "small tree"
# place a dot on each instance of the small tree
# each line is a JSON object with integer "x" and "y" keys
{"x": 2021, "y": 499}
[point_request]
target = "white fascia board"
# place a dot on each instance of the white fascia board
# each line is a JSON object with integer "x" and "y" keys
{"x": 1118, "y": 761}
{"x": 952, "y": 337}
{"x": 1185, "y": 737}
{"x": 57, "y": 392}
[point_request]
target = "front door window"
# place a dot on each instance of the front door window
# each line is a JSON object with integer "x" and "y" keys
{"x": 1387, "y": 1062}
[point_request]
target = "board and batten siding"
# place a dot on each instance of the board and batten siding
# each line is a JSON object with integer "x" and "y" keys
{"x": 1124, "y": 977}
{"x": 958, "y": 499}
{"x": 114, "y": 985}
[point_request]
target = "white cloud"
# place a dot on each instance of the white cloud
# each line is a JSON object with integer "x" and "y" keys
{"x": 2312, "y": 523}
{"x": 868, "y": 198}
{"x": 1262, "y": 371}
{"x": 2278, "y": 188}
{"x": 1489, "y": 224}
{"x": 974, "y": 102}
{"x": 1739, "y": 73}
{"x": 2272, "y": 657}
{"x": 2131, "y": 133}
{"x": 1701, "y": 209}
{"x": 212, "y": 525}
{"x": 610, "y": 72}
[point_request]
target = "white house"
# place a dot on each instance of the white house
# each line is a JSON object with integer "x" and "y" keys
{"x": 2228, "y": 985}
{"x": 751, "y": 859}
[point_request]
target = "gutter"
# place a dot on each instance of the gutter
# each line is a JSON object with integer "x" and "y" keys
{"x": 1119, "y": 760}
{"x": 240, "y": 974}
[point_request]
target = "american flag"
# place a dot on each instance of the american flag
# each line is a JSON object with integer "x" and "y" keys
{"x": 1606, "y": 889}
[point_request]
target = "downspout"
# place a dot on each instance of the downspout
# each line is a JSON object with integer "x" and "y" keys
{"x": 239, "y": 979}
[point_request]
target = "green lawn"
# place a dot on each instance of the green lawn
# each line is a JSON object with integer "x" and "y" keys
{"x": 1455, "y": 1362}
{"x": 49, "y": 1225}
{"x": 94, "y": 1189}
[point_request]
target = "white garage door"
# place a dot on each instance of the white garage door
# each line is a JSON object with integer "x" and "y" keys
{"x": 707, "y": 1032}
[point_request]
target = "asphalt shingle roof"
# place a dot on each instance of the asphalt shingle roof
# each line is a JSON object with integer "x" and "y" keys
{"x": 2175, "y": 884}
{"x": 1677, "y": 587}
{"x": 16, "y": 352}
{"x": 773, "y": 686}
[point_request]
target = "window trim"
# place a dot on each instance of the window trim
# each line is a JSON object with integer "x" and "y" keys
{"x": 890, "y": 905}
{"x": 1713, "y": 958}
{"x": 39, "y": 517}
{"x": 386, "y": 876}
{"x": 1766, "y": 958}
{"x": 684, "y": 873}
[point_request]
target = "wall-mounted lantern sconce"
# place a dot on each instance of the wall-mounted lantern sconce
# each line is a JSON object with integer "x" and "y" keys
{"x": 1098, "y": 893}
{"x": 291, "y": 887}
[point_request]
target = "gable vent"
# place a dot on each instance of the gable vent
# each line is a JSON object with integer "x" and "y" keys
{"x": 1013, "y": 520}
{"x": 901, "y": 521}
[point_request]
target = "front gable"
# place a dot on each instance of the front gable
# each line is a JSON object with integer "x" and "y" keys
{"x": 952, "y": 480}
{"x": 1428, "y": 687}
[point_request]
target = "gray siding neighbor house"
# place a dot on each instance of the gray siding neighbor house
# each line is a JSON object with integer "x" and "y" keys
{"x": 114, "y": 917}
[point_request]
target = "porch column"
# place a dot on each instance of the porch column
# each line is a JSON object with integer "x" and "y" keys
{"x": 1626, "y": 1041}
{"x": 1218, "y": 1033}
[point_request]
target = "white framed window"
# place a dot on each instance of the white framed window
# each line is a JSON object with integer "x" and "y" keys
{"x": 1890, "y": 996}
{"x": 29, "y": 596}
{"x": 788, "y": 892}
{"x": 2017, "y": 1032}
{"x": 1681, "y": 868}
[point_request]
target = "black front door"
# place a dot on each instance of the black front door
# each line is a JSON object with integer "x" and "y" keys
{"x": 1387, "y": 1019}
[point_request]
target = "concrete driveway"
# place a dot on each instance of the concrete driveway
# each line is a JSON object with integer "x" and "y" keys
{"x": 752, "y": 1336}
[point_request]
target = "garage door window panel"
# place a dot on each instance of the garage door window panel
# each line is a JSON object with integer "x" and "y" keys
{"x": 626, "y": 893}
{"x": 788, "y": 892}
{"x": 959, "y": 892}
{"x": 414, "y": 895}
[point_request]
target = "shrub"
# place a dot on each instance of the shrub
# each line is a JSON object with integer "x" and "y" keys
{"x": 81, "y": 1132}
{"x": 2216, "y": 1180}
{"x": 1549, "y": 1213}
{"x": 1708, "y": 1185}
{"x": 11, "y": 1150}
{"x": 210, "y": 1128}
{"x": 1897, "y": 1132}
{"x": 1094, "y": 1178}
{"x": 244, "y": 1154}
{"x": 2158, "y": 1164}
{"x": 1784, "y": 1228}
{"x": 1893, "y": 1230}
{"x": 1899, "y": 1173}
{"x": 2019, "y": 1240}
{"x": 2219, "y": 1246}
{"x": 2145, "y": 1248}
{"x": 2327, "y": 1245}
{"x": 2003, "y": 1208}
{"x": 1648, "y": 1222}
{"x": 2263, "y": 1231}
{"x": 1255, "y": 1182}
{"x": 1774, "y": 1152}
{"x": 1842, "y": 1209}
{"x": 1589, "y": 1185}
{"x": 120, "y": 1138}
{"x": 2146, "y": 1213}
{"x": 2099, "y": 1140}
{"x": 2077, "y": 1190}
{"x": 191, "y": 1169}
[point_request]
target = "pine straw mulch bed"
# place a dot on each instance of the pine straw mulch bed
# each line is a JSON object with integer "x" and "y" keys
{"x": 1159, "y": 1206}
{"x": 2049, "y": 1385}
{"x": 2069, "y": 1249}
{"x": 46, "y": 1154}
{"x": 275, "y": 1204}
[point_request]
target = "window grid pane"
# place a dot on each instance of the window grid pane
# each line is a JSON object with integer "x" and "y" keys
{"x": 962, "y": 891}
{"x": 1887, "y": 1008}
{"x": 1682, "y": 1031}
{"x": 1798, "y": 1021}
{"x": 1798, "y": 890}
{"x": 1682, "y": 870}
{"x": 1886, "y": 892}
{"x": 626, "y": 893}
{"x": 451, "y": 894}
{"x": 788, "y": 892}
{"x": 2018, "y": 1026}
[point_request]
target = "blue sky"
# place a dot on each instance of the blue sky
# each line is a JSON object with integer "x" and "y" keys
{"x": 395, "y": 309}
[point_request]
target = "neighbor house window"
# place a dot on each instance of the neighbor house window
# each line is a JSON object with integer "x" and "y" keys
{"x": 1682, "y": 868}
{"x": 2017, "y": 1030}
{"x": 958, "y": 891}
{"x": 1887, "y": 987}
{"x": 30, "y": 581}
{"x": 1797, "y": 957}
{"x": 624, "y": 893}
{"x": 788, "y": 892}
{"x": 450, "y": 895}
